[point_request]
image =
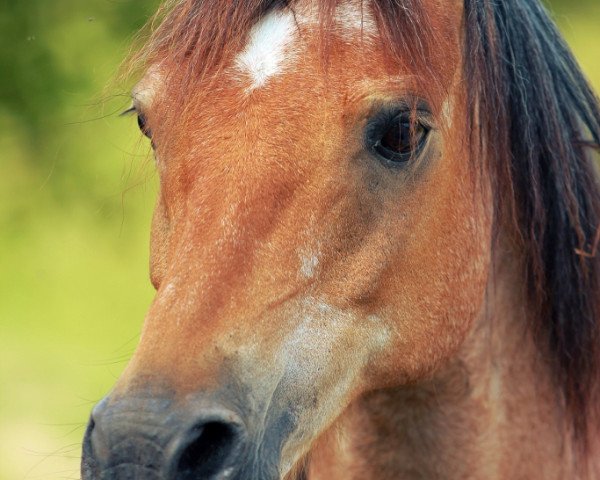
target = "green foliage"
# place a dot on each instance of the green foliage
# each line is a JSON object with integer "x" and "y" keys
{"x": 48, "y": 46}
{"x": 75, "y": 203}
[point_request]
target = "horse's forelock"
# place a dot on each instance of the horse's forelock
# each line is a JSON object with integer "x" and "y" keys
{"x": 199, "y": 35}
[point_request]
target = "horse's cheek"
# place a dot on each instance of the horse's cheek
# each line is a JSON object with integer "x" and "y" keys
{"x": 437, "y": 289}
{"x": 159, "y": 244}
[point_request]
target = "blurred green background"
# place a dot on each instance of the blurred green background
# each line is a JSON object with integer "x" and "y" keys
{"x": 76, "y": 194}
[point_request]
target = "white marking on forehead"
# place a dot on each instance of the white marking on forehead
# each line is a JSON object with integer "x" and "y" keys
{"x": 274, "y": 42}
{"x": 146, "y": 90}
{"x": 267, "y": 52}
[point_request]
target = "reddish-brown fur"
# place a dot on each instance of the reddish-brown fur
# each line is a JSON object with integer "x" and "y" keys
{"x": 250, "y": 181}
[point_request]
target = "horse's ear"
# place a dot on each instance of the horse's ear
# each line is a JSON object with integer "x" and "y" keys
{"x": 537, "y": 118}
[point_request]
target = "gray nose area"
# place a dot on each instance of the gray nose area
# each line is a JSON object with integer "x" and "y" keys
{"x": 208, "y": 450}
{"x": 154, "y": 439}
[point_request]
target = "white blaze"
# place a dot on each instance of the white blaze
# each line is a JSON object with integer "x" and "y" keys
{"x": 267, "y": 51}
{"x": 274, "y": 42}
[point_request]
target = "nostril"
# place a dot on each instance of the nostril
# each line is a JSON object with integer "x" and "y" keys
{"x": 207, "y": 451}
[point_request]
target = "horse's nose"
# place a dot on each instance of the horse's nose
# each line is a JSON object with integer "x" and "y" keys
{"x": 151, "y": 439}
{"x": 207, "y": 450}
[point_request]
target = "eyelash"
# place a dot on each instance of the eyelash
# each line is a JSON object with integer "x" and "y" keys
{"x": 141, "y": 121}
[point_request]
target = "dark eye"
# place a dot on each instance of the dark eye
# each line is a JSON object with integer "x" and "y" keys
{"x": 141, "y": 119}
{"x": 397, "y": 138}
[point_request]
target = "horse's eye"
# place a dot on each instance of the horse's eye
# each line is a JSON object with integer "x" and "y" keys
{"x": 398, "y": 139}
{"x": 141, "y": 119}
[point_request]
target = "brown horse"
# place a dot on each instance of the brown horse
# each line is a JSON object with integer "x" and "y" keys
{"x": 374, "y": 248}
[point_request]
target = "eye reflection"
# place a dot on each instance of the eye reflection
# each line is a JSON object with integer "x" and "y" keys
{"x": 399, "y": 139}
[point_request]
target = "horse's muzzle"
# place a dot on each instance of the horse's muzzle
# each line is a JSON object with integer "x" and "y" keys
{"x": 151, "y": 437}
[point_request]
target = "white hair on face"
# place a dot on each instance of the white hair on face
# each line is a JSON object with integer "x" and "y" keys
{"x": 267, "y": 52}
{"x": 448, "y": 110}
{"x": 146, "y": 89}
{"x": 354, "y": 18}
{"x": 273, "y": 42}
{"x": 309, "y": 261}
{"x": 309, "y": 265}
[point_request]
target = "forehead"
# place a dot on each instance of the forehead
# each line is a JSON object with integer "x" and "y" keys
{"x": 275, "y": 42}
{"x": 281, "y": 41}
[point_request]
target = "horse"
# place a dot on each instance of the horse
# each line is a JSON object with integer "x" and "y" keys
{"x": 374, "y": 249}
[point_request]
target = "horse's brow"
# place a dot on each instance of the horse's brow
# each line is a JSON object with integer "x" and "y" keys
{"x": 145, "y": 90}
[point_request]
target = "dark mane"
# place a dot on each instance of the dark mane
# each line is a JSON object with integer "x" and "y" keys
{"x": 534, "y": 117}
{"x": 535, "y": 111}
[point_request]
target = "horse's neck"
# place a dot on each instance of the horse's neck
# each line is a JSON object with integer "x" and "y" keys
{"x": 489, "y": 414}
